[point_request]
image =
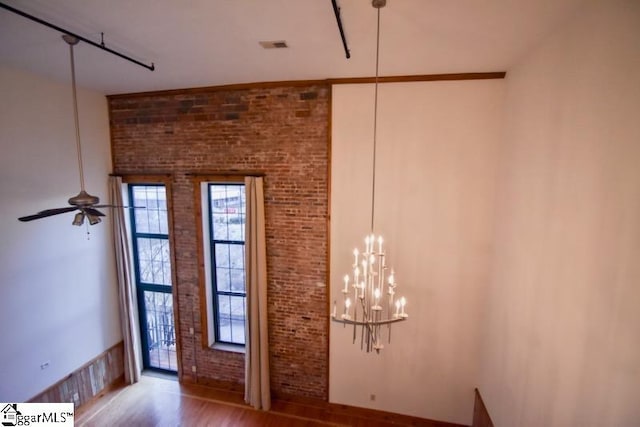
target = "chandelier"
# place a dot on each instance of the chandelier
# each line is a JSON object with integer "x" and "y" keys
{"x": 370, "y": 304}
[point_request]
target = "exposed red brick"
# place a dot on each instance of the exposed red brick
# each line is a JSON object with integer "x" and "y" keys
{"x": 283, "y": 132}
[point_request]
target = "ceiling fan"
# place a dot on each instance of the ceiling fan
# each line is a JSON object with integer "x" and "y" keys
{"x": 83, "y": 201}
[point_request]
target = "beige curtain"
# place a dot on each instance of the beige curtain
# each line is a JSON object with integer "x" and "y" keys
{"x": 257, "y": 391}
{"x": 126, "y": 291}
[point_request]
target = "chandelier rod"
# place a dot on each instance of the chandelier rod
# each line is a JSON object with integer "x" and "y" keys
{"x": 375, "y": 117}
{"x": 374, "y": 286}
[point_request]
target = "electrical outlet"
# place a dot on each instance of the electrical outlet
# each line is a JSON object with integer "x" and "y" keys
{"x": 372, "y": 397}
{"x": 193, "y": 368}
{"x": 44, "y": 365}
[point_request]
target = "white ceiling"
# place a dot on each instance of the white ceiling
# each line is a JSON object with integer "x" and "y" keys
{"x": 197, "y": 43}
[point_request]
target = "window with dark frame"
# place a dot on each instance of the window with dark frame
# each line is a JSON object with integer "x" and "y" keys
{"x": 227, "y": 214}
{"x": 152, "y": 263}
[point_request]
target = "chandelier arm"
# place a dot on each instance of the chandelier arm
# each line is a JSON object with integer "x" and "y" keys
{"x": 354, "y": 330}
{"x": 367, "y": 323}
{"x": 364, "y": 317}
{"x": 361, "y": 338}
{"x": 367, "y": 315}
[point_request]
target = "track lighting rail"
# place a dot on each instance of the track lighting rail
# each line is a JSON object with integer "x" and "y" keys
{"x": 79, "y": 37}
{"x": 336, "y": 10}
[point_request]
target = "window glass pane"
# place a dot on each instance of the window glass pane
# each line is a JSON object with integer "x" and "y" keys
{"x": 220, "y": 227}
{"x": 236, "y": 227}
{"x": 237, "y": 280}
{"x": 154, "y": 261}
{"x": 222, "y": 254}
{"x": 160, "y": 331}
{"x": 163, "y": 220}
{"x": 227, "y": 211}
{"x": 236, "y": 256}
{"x": 231, "y": 318}
{"x": 237, "y": 319}
{"x": 152, "y": 219}
{"x": 223, "y": 280}
{"x": 224, "y": 318}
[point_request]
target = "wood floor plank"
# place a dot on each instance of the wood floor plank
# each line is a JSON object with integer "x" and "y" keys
{"x": 158, "y": 402}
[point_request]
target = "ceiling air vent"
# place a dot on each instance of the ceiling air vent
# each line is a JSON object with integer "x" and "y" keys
{"x": 276, "y": 44}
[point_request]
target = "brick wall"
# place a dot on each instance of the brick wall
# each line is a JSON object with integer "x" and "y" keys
{"x": 281, "y": 131}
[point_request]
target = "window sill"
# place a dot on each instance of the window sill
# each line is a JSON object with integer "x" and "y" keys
{"x": 228, "y": 347}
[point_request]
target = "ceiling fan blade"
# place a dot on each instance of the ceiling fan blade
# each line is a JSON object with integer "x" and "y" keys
{"x": 93, "y": 211}
{"x": 46, "y": 213}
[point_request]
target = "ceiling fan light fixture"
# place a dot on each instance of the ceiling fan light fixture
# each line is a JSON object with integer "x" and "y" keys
{"x": 84, "y": 199}
{"x": 78, "y": 219}
{"x": 93, "y": 219}
{"x": 84, "y": 202}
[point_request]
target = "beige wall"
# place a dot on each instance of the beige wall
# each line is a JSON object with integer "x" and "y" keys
{"x": 58, "y": 299}
{"x": 563, "y": 334}
{"x": 437, "y": 157}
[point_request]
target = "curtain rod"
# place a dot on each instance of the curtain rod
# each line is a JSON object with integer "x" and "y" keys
{"x": 79, "y": 37}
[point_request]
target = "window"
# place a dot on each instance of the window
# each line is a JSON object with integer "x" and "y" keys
{"x": 152, "y": 262}
{"x": 226, "y": 222}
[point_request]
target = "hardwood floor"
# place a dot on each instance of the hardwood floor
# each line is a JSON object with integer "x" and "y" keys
{"x": 161, "y": 402}
{"x": 164, "y": 402}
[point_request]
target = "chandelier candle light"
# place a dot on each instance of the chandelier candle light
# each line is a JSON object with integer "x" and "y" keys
{"x": 372, "y": 285}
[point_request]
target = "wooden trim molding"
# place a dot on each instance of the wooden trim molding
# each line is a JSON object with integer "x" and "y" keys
{"x": 331, "y": 81}
{"x": 137, "y": 178}
{"x": 197, "y": 180}
{"x": 89, "y": 380}
{"x": 233, "y": 176}
{"x": 421, "y": 78}
{"x": 328, "y": 231}
{"x": 481, "y": 416}
{"x": 165, "y": 179}
{"x": 229, "y": 87}
{"x": 202, "y": 291}
{"x": 320, "y": 409}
